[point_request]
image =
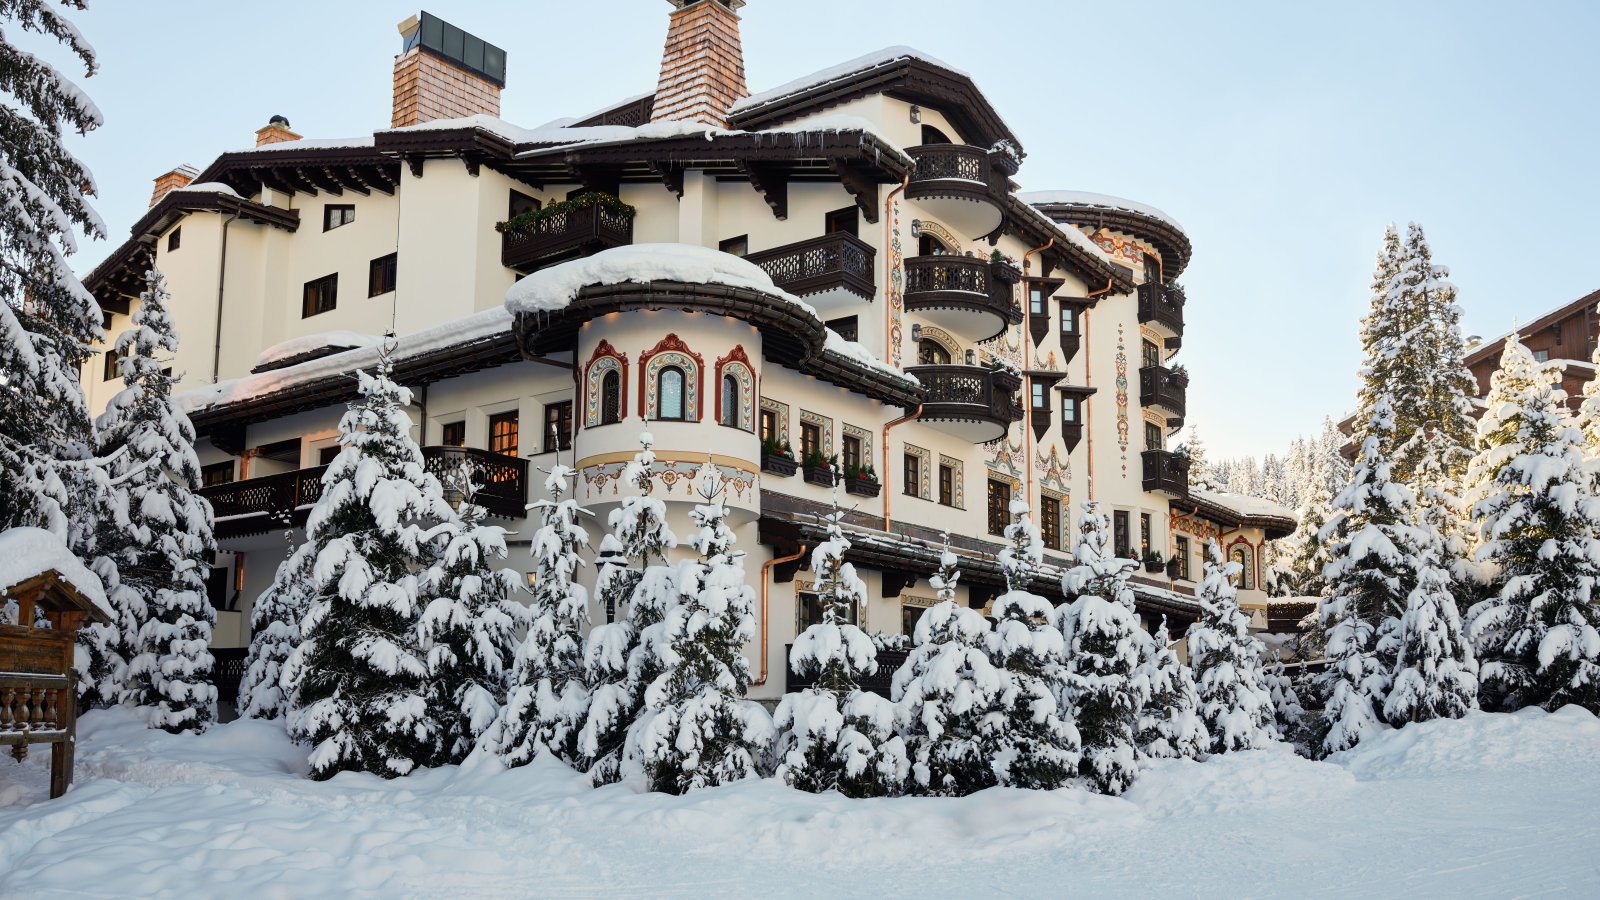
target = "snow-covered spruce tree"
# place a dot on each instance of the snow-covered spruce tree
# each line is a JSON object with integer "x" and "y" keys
{"x": 698, "y": 731}
{"x": 946, "y": 692}
{"x": 1170, "y": 725}
{"x": 549, "y": 700}
{"x": 1537, "y": 515}
{"x": 1032, "y": 745}
{"x": 357, "y": 682}
{"x": 1103, "y": 690}
{"x": 469, "y": 628}
{"x": 1436, "y": 675}
{"x": 48, "y": 320}
{"x": 275, "y": 633}
{"x": 1202, "y": 474}
{"x": 1235, "y": 704}
{"x": 835, "y": 736}
{"x": 1375, "y": 548}
{"x": 621, "y": 658}
{"x": 156, "y": 529}
{"x": 1098, "y": 570}
{"x": 1288, "y": 712}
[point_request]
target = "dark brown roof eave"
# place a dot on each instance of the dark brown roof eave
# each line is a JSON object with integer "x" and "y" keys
{"x": 1170, "y": 242}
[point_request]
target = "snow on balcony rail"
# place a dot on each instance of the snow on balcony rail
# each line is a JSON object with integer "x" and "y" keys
{"x": 313, "y": 342}
{"x": 551, "y": 289}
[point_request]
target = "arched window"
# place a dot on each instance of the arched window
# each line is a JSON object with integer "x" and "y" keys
{"x": 1243, "y": 559}
{"x": 932, "y": 135}
{"x": 928, "y": 245}
{"x": 669, "y": 402}
{"x": 611, "y": 398}
{"x": 730, "y": 401}
{"x": 932, "y": 353}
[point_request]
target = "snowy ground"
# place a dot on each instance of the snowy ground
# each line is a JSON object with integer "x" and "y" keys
{"x": 1494, "y": 805}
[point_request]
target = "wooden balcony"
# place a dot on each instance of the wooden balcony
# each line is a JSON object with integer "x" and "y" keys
{"x": 1166, "y": 473}
{"x": 1162, "y": 306}
{"x": 564, "y": 236}
{"x": 1163, "y": 390}
{"x": 880, "y": 683}
{"x": 966, "y": 296}
{"x": 259, "y": 505}
{"x": 831, "y": 271}
{"x": 973, "y": 403}
{"x": 959, "y": 185}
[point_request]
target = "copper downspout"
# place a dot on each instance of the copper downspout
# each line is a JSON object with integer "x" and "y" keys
{"x": 888, "y": 271}
{"x": 1027, "y": 380}
{"x": 1088, "y": 375}
{"x": 765, "y": 568}
{"x": 886, "y": 492}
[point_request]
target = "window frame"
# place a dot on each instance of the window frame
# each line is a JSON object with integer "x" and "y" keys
{"x": 174, "y": 239}
{"x": 850, "y": 215}
{"x": 850, "y": 451}
{"x": 1180, "y": 553}
{"x": 1153, "y": 439}
{"x": 611, "y": 397}
{"x": 496, "y": 444}
{"x": 380, "y": 272}
{"x": 328, "y": 209}
{"x": 1119, "y": 533}
{"x": 767, "y": 425}
{"x": 460, "y": 434}
{"x": 911, "y": 472}
{"x": 326, "y": 455}
{"x": 729, "y": 245}
{"x": 1069, "y": 319}
{"x": 947, "y": 485}
{"x": 1144, "y": 535}
{"x": 1050, "y": 522}
{"x": 936, "y": 349}
{"x": 808, "y": 445}
{"x": 1040, "y": 402}
{"x": 511, "y": 203}
{"x": 1151, "y": 352}
{"x": 730, "y": 401}
{"x": 207, "y": 471}
{"x": 1069, "y": 410}
{"x": 330, "y": 283}
{"x": 558, "y": 414}
{"x": 998, "y": 513}
{"x": 661, "y": 393}
{"x": 1036, "y": 299}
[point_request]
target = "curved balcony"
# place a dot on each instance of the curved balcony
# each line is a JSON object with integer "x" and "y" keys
{"x": 960, "y": 186}
{"x": 1162, "y": 389}
{"x": 564, "y": 236}
{"x": 1166, "y": 473}
{"x": 831, "y": 272}
{"x": 973, "y": 403}
{"x": 1162, "y": 306}
{"x": 964, "y": 295}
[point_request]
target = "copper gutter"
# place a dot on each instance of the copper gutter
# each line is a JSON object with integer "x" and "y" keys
{"x": 1027, "y": 380}
{"x": 1088, "y": 373}
{"x": 764, "y": 588}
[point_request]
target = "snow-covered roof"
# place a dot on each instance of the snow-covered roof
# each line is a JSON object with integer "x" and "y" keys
{"x": 629, "y": 101}
{"x": 860, "y": 64}
{"x": 1245, "y": 505}
{"x": 1092, "y": 200}
{"x": 310, "y": 144}
{"x": 314, "y": 342}
{"x": 29, "y": 552}
{"x": 562, "y": 137}
{"x": 206, "y": 187}
{"x": 860, "y": 354}
{"x": 551, "y": 289}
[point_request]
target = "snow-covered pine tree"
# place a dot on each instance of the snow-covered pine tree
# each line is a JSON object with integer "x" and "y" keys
{"x": 1169, "y": 724}
{"x": 1032, "y": 745}
{"x": 1537, "y": 515}
{"x": 622, "y": 658}
{"x": 698, "y": 731}
{"x": 469, "y": 628}
{"x": 1103, "y": 689}
{"x": 549, "y": 699}
{"x": 1375, "y": 548}
{"x": 1235, "y": 705}
{"x": 1436, "y": 675}
{"x": 275, "y": 633}
{"x": 156, "y": 529}
{"x": 946, "y": 691}
{"x": 48, "y": 320}
{"x": 1098, "y": 570}
{"x": 835, "y": 736}
{"x": 1202, "y": 474}
{"x": 1289, "y": 714}
{"x": 357, "y": 682}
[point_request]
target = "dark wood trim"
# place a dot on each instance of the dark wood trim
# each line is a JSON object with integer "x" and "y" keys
{"x": 1170, "y": 242}
{"x": 859, "y": 186}
{"x": 771, "y": 182}
{"x": 670, "y": 173}
{"x": 1035, "y": 229}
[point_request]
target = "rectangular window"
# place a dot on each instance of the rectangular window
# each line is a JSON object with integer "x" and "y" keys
{"x": 1035, "y": 300}
{"x": 1038, "y": 396}
{"x": 1119, "y": 531}
{"x": 111, "y": 358}
{"x": 947, "y": 486}
{"x": 845, "y": 220}
{"x": 1069, "y": 320}
{"x": 999, "y": 507}
{"x": 321, "y": 296}
{"x": 769, "y": 425}
{"x": 1152, "y": 354}
{"x": 852, "y": 452}
{"x": 1144, "y": 534}
{"x": 558, "y": 426}
{"x": 454, "y": 434}
{"x": 503, "y": 433}
{"x": 335, "y": 215}
{"x": 1152, "y": 436}
{"x": 326, "y": 455}
{"x": 738, "y": 246}
{"x": 913, "y": 475}
{"x": 909, "y": 617}
{"x": 380, "y": 276}
{"x": 811, "y": 611}
{"x": 810, "y": 442}
{"x": 522, "y": 203}
{"x": 1050, "y": 522}
{"x": 216, "y": 473}
{"x": 845, "y": 327}
{"x": 1541, "y": 356}
{"x": 174, "y": 239}
{"x": 1180, "y": 552}
{"x": 1069, "y": 410}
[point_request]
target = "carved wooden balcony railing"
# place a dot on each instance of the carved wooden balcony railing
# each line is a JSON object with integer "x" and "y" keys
{"x": 831, "y": 262}
{"x": 971, "y": 402}
{"x": 259, "y": 505}
{"x": 889, "y": 662}
{"x": 961, "y": 294}
{"x": 1166, "y": 473}
{"x": 960, "y": 185}
{"x": 1162, "y": 389}
{"x": 1163, "y": 306}
{"x": 564, "y": 236}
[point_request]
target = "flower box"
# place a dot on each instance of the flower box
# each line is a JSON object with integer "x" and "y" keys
{"x": 819, "y": 475}
{"x": 862, "y": 487}
{"x": 1154, "y": 566}
{"x": 1004, "y": 272}
{"x": 781, "y": 466}
{"x": 1174, "y": 570}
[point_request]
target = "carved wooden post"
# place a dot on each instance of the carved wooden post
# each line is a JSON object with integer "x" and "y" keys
{"x": 61, "y": 752}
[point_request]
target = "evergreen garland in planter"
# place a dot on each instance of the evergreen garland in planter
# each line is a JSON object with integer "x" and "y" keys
{"x": 582, "y": 201}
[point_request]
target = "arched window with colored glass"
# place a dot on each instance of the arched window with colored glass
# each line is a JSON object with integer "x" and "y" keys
{"x": 669, "y": 397}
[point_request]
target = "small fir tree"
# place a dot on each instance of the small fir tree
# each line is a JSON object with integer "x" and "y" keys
{"x": 1436, "y": 675}
{"x": 1235, "y": 705}
{"x": 357, "y": 682}
{"x": 1103, "y": 689}
{"x": 275, "y": 633}
{"x": 698, "y": 731}
{"x": 1537, "y": 516}
{"x": 1098, "y": 570}
{"x": 946, "y": 693}
{"x": 1169, "y": 725}
{"x": 1289, "y": 714}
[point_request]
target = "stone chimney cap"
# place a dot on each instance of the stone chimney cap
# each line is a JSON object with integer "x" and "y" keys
{"x": 278, "y": 120}
{"x": 730, "y": 4}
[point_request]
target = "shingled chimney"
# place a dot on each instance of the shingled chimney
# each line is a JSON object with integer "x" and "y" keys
{"x": 702, "y": 68}
{"x": 171, "y": 181}
{"x": 443, "y": 72}
{"x": 276, "y": 132}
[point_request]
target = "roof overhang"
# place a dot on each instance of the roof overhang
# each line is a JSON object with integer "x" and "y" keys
{"x": 1170, "y": 242}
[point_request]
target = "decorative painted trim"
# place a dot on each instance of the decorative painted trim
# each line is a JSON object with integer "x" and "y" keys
{"x": 737, "y": 476}
{"x": 1056, "y": 470}
{"x": 671, "y": 351}
{"x": 1118, "y": 247}
{"x": 894, "y": 290}
{"x": 1004, "y": 456}
{"x": 737, "y": 364}
{"x": 918, "y": 602}
{"x": 944, "y": 339}
{"x": 824, "y": 423}
{"x": 939, "y": 231}
{"x": 1122, "y": 400}
{"x": 782, "y": 413}
{"x": 927, "y": 464}
{"x": 1196, "y": 526}
{"x": 864, "y": 436}
{"x": 1252, "y": 576}
{"x": 606, "y": 358}
{"x": 958, "y": 479}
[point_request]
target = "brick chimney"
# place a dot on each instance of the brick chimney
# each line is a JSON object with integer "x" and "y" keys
{"x": 443, "y": 72}
{"x": 277, "y": 130}
{"x": 177, "y": 178}
{"x": 702, "y": 68}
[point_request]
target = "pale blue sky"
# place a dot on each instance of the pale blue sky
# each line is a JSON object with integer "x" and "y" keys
{"x": 1282, "y": 136}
